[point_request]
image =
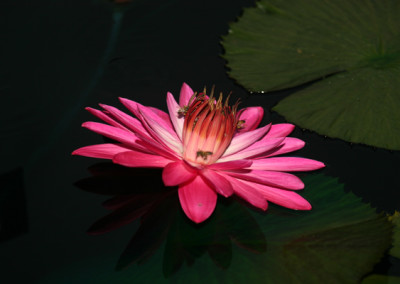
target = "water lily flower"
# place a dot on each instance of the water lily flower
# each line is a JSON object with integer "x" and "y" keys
{"x": 206, "y": 147}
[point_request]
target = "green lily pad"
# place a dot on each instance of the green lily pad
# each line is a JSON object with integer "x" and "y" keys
{"x": 353, "y": 47}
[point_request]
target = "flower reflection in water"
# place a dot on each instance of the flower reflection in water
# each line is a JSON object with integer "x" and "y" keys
{"x": 161, "y": 220}
{"x": 342, "y": 239}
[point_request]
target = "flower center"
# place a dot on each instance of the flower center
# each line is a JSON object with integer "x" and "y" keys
{"x": 208, "y": 128}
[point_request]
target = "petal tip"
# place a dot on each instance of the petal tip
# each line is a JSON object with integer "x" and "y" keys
{"x": 185, "y": 94}
{"x": 124, "y": 100}
{"x": 186, "y": 85}
{"x": 317, "y": 165}
{"x": 301, "y": 143}
{"x": 198, "y": 218}
{"x": 264, "y": 207}
{"x": 290, "y": 127}
{"x": 304, "y": 206}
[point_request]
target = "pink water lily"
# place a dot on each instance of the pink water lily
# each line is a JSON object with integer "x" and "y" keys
{"x": 206, "y": 148}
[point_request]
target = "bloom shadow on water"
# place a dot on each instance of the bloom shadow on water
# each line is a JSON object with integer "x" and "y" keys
{"x": 342, "y": 237}
{"x": 162, "y": 220}
{"x": 208, "y": 149}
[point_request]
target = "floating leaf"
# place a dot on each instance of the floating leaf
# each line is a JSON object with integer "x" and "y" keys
{"x": 352, "y": 46}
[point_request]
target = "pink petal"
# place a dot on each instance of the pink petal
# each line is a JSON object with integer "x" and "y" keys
{"x": 258, "y": 148}
{"x": 176, "y": 119}
{"x": 197, "y": 199}
{"x": 145, "y": 142}
{"x": 282, "y": 197}
{"x": 271, "y": 178}
{"x": 289, "y": 144}
{"x": 157, "y": 148}
{"x": 280, "y": 130}
{"x": 246, "y": 139}
{"x": 159, "y": 129}
{"x": 185, "y": 95}
{"x": 131, "y": 105}
{"x": 137, "y": 159}
{"x": 106, "y": 118}
{"x": 217, "y": 182}
{"x": 177, "y": 173}
{"x": 287, "y": 164}
{"x": 252, "y": 117}
{"x": 288, "y": 199}
{"x": 248, "y": 193}
{"x": 163, "y": 115}
{"x": 120, "y": 135}
{"x": 132, "y": 123}
{"x": 156, "y": 114}
{"x": 102, "y": 151}
{"x": 231, "y": 165}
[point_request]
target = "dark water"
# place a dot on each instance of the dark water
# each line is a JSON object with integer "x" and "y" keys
{"x": 58, "y": 57}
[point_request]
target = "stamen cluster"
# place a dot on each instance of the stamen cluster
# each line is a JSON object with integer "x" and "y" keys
{"x": 208, "y": 128}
